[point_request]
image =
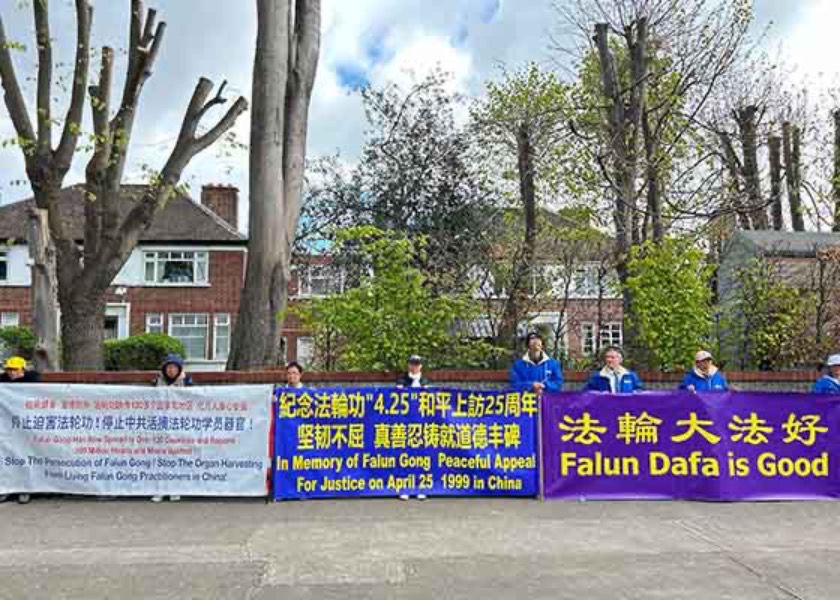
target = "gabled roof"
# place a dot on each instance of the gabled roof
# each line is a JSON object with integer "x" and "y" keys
{"x": 181, "y": 221}
{"x": 795, "y": 244}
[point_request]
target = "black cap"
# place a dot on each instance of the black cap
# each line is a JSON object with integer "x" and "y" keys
{"x": 414, "y": 359}
{"x": 531, "y": 335}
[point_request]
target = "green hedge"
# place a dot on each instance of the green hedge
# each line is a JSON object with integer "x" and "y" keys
{"x": 18, "y": 341}
{"x": 140, "y": 352}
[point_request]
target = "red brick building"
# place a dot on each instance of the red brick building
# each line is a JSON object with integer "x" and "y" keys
{"x": 184, "y": 278}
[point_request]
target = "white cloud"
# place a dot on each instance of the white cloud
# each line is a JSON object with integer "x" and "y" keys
{"x": 810, "y": 44}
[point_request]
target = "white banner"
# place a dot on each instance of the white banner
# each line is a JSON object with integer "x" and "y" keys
{"x": 134, "y": 441}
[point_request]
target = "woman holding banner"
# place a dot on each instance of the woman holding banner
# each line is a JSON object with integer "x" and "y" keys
{"x": 613, "y": 377}
{"x": 14, "y": 371}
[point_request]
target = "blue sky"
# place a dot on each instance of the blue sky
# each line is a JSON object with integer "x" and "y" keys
{"x": 364, "y": 41}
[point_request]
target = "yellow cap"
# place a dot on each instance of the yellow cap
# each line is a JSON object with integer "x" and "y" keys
{"x": 15, "y": 362}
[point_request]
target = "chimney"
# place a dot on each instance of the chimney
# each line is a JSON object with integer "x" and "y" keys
{"x": 224, "y": 201}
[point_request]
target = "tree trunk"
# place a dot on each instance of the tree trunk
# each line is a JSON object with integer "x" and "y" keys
{"x": 654, "y": 201}
{"x": 748, "y": 126}
{"x": 516, "y": 306}
{"x": 288, "y": 41}
{"x": 775, "y": 146}
{"x": 835, "y": 184}
{"x": 82, "y": 332}
{"x": 790, "y": 139}
{"x": 44, "y": 292}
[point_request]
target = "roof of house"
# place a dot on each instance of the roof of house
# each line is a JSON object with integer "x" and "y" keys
{"x": 181, "y": 221}
{"x": 789, "y": 243}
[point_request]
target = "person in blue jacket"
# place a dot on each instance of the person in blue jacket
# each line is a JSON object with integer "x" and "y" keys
{"x": 705, "y": 376}
{"x": 536, "y": 371}
{"x": 830, "y": 382}
{"x": 613, "y": 377}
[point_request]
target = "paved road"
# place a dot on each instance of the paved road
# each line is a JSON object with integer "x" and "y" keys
{"x": 488, "y": 549}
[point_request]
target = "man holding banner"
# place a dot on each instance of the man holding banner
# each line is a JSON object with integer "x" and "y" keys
{"x": 705, "y": 376}
{"x": 535, "y": 371}
{"x": 830, "y": 382}
{"x": 613, "y": 377}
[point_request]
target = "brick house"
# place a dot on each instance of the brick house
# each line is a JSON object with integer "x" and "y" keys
{"x": 809, "y": 261}
{"x": 575, "y": 305}
{"x": 184, "y": 278}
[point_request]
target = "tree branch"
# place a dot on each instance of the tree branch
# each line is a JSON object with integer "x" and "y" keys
{"x": 73, "y": 123}
{"x": 44, "y": 83}
{"x": 12, "y": 96}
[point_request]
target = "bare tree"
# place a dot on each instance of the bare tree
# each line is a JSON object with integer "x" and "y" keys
{"x": 792, "y": 136}
{"x": 84, "y": 274}
{"x": 286, "y": 59}
{"x": 835, "y": 183}
{"x": 774, "y": 143}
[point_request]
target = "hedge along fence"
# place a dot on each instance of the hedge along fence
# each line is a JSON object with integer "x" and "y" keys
{"x": 18, "y": 341}
{"x": 143, "y": 352}
{"x": 781, "y": 381}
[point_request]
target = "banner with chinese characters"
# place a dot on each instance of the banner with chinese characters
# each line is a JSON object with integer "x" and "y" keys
{"x": 388, "y": 442}
{"x": 730, "y": 446}
{"x": 134, "y": 441}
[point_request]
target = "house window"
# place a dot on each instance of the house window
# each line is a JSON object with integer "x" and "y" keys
{"x": 321, "y": 280}
{"x": 154, "y": 323}
{"x": 305, "y": 350}
{"x": 176, "y": 268}
{"x": 611, "y": 335}
{"x": 192, "y": 330}
{"x": 585, "y": 282}
{"x": 9, "y": 319}
{"x": 4, "y": 266}
{"x": 221, "y": 336}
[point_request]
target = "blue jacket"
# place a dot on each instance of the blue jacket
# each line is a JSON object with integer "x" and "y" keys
{"x": 716, "y": 383}
{"x": 599, "y": 382}
{"x": 525, "y": 372}
{"x": 826, "y": 385}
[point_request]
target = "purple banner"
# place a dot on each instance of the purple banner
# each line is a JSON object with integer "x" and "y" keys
{"x": 679, "y": 445}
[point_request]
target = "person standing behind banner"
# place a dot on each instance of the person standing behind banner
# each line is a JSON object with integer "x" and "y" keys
{"x": 14, "y": 371}
{"x": 830, "y": 382}
{"x": 705, "y": 376}
{"x": 294, "y": 376}
{"x": 536, "y": 371}
{"x": 172, "y": 374}
{"x": 613, "y": 377}
{"x": 414, "y": 377}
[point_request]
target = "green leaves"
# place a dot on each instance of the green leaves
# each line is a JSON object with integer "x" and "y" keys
{"x": 391, "y": 314}
{"x": 671, "y": 300}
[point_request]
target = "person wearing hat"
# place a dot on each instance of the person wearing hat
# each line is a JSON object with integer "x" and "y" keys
{"x": 414, "y": 377}
{"x": 830, "y": 382}
{"x": 535, "y": 371}
{"x": 172, "y": 374}
{"x": 14, "y": 371}
{"x": 613, "y": 377}
{"x": 705, "y": 376}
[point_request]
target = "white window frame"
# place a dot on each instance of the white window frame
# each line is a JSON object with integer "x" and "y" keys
{"x": 603, "y": 342}
{"x": 605, "y": 328}
{"x": 172, "y": 323}
{"x": 305, "y": 279}
{"x": 307, "y": 360}
{"x": 150, "y": 317}
{"x": 154, "y": 258}
{"x": 221, "y": 320}
{"x": 4, "y": 258}
{"x": 10, "y": 319}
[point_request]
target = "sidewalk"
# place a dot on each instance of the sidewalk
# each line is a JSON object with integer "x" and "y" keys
{"x": 488, "y": 549}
